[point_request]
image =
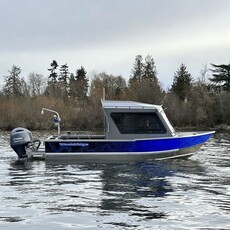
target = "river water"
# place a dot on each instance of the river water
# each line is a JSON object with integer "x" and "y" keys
{"x": 192, "y": 193}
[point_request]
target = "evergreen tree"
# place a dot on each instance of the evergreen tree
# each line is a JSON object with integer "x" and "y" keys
{"x": 82, "y": 83}
{"x": 137, "y": 71}
{"x": 221, "y": 76}
{"x": 143, "y": 84}
{"x": 72, "y": 83}
{"x": 64, "y": 79}
{"x": 79, "y": 84}
{"x": 182, "y": 83}
{"x": 13, "y": 83}
{"x": 53, "y": 74}
{"x": 52, "y": 87}
{"x": 150, "y": 69}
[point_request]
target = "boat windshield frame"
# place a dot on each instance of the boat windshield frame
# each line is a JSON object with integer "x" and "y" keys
{"x": 138, "y": 122}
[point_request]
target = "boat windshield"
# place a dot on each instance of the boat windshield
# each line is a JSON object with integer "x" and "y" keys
{"x": 138, "y": 123}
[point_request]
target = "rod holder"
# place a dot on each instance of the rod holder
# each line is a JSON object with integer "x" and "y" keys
{"x": 56, "y": 117}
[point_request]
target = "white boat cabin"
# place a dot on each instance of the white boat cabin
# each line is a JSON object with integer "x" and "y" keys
{"x": 134, "y": 120}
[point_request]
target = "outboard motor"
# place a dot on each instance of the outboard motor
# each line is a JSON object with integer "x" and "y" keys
{"x": 19, "y": 140}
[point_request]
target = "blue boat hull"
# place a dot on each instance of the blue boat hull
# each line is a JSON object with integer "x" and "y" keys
{"x": 158, "y": 148}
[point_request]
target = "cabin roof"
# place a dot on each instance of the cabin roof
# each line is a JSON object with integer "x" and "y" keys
{"x": 110, "y": 104}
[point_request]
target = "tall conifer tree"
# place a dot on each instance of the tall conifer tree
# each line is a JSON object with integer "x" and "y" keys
{"x": 182, "y": 83}
{"x": 13, "y": 83}
{"x": 221, "y": 76}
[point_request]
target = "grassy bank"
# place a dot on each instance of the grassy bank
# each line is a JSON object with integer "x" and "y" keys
{"x": 26, "y": 113}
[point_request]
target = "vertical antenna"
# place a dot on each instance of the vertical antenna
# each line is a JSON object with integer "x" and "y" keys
{"x": 104, "y": 120}
{"x": 103, "y": 93}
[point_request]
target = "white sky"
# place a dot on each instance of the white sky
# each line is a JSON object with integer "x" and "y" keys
{"x": 106, "y": 35}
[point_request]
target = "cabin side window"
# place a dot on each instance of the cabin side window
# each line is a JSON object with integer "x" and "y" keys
{"x": 138, "y": 123}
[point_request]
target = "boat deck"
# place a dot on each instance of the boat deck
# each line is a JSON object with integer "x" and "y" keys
{"x": 76, "y": 137}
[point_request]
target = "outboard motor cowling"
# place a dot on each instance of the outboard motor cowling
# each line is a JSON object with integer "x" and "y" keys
{"x": 19, "y": 139}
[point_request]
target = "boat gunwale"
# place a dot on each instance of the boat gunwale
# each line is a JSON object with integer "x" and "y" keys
{"x": 177, "y": 136}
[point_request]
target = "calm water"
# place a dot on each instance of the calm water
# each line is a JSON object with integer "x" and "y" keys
{"x": 175, "y": 194}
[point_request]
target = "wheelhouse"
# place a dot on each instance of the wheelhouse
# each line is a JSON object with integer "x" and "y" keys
{"x": 130, "y": 120}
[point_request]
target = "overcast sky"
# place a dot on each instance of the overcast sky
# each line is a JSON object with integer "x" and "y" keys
{"x": 106, "y": 35}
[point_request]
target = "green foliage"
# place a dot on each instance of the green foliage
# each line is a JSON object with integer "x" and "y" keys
{"x": 52, "y": 84}
{"x": 137, "y": 71}
{"x": 53, "y": 74}
{"x": 143, "y": 84}
{"x": 189, "y": 103}
{"x": 13, "y": 83}
{"x": 150, "y": 72}
{"x": 63, "y": 80}
{"x": 221, "y": 76}
{"x": 182, "y": 83}
{"x": 78, "y": 85}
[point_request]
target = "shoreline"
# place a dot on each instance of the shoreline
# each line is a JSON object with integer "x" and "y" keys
{"x": 217, "y": 128}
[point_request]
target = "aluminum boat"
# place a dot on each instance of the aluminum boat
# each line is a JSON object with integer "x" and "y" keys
{"x": 133, "y": 131}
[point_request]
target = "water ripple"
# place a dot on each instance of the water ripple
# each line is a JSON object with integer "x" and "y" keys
{"x": 176, "y": 194}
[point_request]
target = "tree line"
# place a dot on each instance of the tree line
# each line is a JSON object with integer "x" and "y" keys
{"x": 201, "y": 102}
